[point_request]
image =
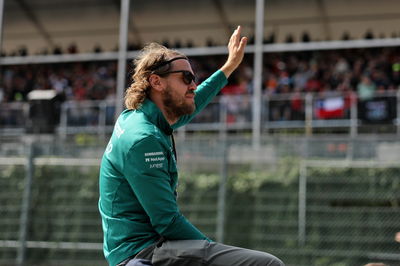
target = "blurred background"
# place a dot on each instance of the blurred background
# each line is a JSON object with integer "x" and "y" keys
{"x": 297, "y": 156}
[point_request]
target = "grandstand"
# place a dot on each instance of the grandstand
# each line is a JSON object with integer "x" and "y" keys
{"x": 297, "y": 156}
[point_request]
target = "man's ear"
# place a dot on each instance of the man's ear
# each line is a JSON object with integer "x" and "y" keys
{"x": 156, "y": 82}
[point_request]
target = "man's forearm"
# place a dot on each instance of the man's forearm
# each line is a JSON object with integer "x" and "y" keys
{"x": 181, "y": 229}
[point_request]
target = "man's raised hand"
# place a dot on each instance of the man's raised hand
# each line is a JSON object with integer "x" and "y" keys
{"x": 236, "y": 47}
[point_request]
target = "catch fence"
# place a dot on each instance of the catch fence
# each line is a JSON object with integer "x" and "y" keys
{"x": 340, "y": 211}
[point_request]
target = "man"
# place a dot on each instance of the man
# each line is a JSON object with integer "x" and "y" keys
{"x": 138, "y": 175}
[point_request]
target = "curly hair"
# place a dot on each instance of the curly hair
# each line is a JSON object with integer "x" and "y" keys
{"x": 153, "y": 56}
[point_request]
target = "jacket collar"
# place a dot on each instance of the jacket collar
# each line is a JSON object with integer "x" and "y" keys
{"x": 155, "y": 116}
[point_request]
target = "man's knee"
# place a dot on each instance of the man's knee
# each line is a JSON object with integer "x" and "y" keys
{"x": 276, "y": 262}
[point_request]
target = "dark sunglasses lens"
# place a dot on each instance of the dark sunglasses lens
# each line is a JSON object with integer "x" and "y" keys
{"x": 188, "y": 77}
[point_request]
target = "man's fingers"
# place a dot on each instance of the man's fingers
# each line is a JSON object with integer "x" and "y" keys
{"x": 238, "y": 30}
{"x": 236, "y": 35}
{"x": 236, "y": 47}
{"x": 234, "y": 41}
{"x": 237, "y": 43}
{"x": 243, "y": 43}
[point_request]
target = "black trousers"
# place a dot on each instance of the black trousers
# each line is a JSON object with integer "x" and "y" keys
{"x": 202, "y": 252}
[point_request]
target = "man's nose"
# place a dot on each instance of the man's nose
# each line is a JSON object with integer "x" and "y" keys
{"x": 192, "y": 86}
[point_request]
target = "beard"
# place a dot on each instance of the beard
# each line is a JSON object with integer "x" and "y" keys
{"x": 176, "y": 105}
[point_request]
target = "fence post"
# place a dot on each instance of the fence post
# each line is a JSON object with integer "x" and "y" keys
{"x": 309, "y": 114}
{"x": 353, "y": 125}
{"x": 302, "y": 204}
{"x": 353, "y": 115}
{"x": 223, "y": 116}
{"x": 26, "y": 199}
{"x": 223, "y": 178}
{"x": 257, "y": 75}
{"x": 102, "y": 125}
{"x": 266, "y": 100}
{"x": 64, "y": 120}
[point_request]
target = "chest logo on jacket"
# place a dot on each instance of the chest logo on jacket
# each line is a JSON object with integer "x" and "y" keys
{"x": 154, "y": 159}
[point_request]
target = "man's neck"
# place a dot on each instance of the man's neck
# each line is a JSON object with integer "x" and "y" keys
{"x": 171, "y": 118}
{"x": 168, "y": 115}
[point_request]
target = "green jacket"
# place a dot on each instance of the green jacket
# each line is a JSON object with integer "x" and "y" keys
{"x": 138, "y": 179}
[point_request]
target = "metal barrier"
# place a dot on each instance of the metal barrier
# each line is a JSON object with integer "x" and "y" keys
{"x": 14, "y": 118}
{"x": 286, "y": 111}
{"x": 87, "y": 116}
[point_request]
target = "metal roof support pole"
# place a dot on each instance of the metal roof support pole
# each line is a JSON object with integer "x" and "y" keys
{"x": 258, "y": 66}
{"x": 122, "y": 57}
{"x": 1, "y": 23}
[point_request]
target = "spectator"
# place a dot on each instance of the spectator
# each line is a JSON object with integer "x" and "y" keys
{"x": 23, "y": 51}
{"x": 97, "y": 49}
{"x": 271, "y": 84}
{"x": 297, "y": 105}
{"x": 346, "y": 36}
{"x": 57, "y": 50}
{"x": 305, "y": 37}
{"x": 366, "y": 88}
{"x": 301, "y": 77}
{"x": 342, "y": 66}
{"x": 289, "y": 38}
{"x": 369, "y": 35}
{"x": 270, "y": 39}
{"x": 72, "y": 48}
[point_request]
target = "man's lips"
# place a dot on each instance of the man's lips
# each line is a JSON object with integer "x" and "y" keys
{"x": 190, "y": 95}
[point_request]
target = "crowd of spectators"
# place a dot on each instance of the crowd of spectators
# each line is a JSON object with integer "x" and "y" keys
{"x": 355, "y": 74}
{"x": 361, "y": 72}
{"x": 364, "y": 71}
{"x": 71, "y": 81}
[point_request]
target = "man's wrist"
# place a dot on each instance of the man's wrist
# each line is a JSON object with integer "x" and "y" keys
{"x": 228, "y": 70}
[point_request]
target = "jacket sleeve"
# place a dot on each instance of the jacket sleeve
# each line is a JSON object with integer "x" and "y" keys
{"x": 205, "y": 92}
{"x": 146, "y": 168}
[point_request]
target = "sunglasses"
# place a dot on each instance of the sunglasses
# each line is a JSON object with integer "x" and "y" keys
{"x": 187, "y": 76}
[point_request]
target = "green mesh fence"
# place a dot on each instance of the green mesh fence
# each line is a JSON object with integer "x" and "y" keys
{"x": 11, "y": 191}
{"x": 348, "y": 214}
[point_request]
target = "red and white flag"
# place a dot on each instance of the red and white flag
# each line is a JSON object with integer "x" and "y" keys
{"x": 330, "y": 108}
